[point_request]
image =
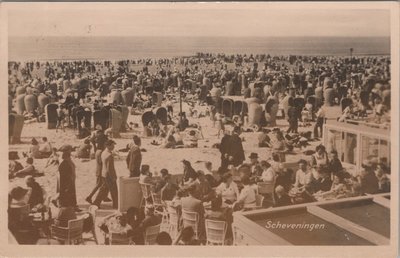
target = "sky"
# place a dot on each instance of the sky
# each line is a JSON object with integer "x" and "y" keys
{"x": 176, "y": 20}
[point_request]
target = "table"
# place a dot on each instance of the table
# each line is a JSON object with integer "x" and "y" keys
{"x": 363, "y": 220}
{"x": 43, "y": 225}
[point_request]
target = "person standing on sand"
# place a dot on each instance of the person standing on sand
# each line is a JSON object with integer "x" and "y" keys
{"x": 236, "y": 152}
{"x": 134, "y": 158}
{"x": 224, "y": 148}
{"x": 108, "y": 176}
{"x": 97, "y": 155}
{"x": 60, "y": 118}
{"x": 66, "y": 180}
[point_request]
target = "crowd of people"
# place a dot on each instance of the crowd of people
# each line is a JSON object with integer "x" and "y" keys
{"x": 360, "y": 85}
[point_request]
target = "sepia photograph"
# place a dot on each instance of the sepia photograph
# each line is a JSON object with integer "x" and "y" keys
{"x": 212, "y": 124}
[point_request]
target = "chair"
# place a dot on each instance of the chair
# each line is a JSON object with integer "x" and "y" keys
{"x": 68, "y": 234}
{"x": 259, "y": 201}
{"x": 146, "y": 192}
{"x": 119, "y": 239}
{"x": 160, "y": 208}
{"x": 150, "y": 235}
{"x": 157, "y": 202}
{"x": 215, "y": 232}
{"x": 191, "y": 219}
{"x": 173, "y": 221}
{"x": 265, "y": 188}
{"x": 92, "y": 211}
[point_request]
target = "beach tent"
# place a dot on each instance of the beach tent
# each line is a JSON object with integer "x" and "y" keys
{"x": 258, "y": 93}
{"x": 147, "y": 117}
{"x": 124, "y": 113}
{"x": 161, "y": 114}
{"x": 101, "y": 117}
{"x": 127, "y": 96}
{"x": 255, "y": 113}
{"x": 51, "y": 115}
{"x": 329, "y": 97}
{"x": 115, "y": 122}
{"x": 79, "y": 116}
{"x": 227, "y": 108}
{"x": 229, "y": 90}
{"x": 237, "y": 107}
{"x": 53, "y": 88}
{"x": 20, "y": 90}
{"x": 30, "y": 102}
{"x": 15, "y": 126}
{"x": 43, "y": 100}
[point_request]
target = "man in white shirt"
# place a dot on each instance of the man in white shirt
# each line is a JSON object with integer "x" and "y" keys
{"x": 268, "y": 174}
{"x": 247, "y": 197}
{"x": 304, "y": 176}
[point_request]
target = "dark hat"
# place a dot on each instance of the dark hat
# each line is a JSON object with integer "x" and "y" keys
{"x": 66, "y": 148}
{"x": 253, "y": 155}
{"x": 18, "y": 192}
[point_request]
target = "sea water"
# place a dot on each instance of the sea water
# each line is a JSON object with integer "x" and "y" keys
{"x": 116, "y": 48}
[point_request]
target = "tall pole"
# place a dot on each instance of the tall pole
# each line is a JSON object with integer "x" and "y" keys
{"x": 180, "y": 101}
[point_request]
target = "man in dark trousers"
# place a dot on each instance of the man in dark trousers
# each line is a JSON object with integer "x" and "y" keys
{"x": 98, "y": 169}
{"x": 108, "y": 176}
{"x": 66, "y": 181}
{"x": 134, "y": 158}
{"x": 224, "y": 149}
{"x": 235, "y": 152}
